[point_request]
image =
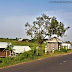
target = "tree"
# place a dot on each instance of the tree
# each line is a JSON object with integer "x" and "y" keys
{"x": 67, "y": 41}
{"x": 45, "y": 26}
{"x": 9, "y": 48}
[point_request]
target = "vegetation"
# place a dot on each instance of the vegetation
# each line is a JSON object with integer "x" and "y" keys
{"x": 45, "y": 26}
{"x": 28, "y": 56}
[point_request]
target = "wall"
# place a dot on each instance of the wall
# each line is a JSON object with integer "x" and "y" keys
{"x": 51, "y": 45}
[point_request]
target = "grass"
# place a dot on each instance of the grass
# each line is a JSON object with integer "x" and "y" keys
{"x": 35, "y": 44}
{"x": 50, "y": 54}
{"x": 15, "y": 42}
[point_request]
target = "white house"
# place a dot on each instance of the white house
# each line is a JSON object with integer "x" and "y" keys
{"x": 20, "y": 49}
{"x": 68, "y": 45}
{"x": 3, "y": 52}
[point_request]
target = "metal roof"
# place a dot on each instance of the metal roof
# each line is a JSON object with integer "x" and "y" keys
{"x": 4, "y": 44}
{"x": 21, "y": 49}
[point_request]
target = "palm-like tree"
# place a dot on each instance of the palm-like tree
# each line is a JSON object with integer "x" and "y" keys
{"x": 9, "y": 48}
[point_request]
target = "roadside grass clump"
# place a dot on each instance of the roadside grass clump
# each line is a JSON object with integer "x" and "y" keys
{"x": 1, "y": 60}
{"x": 7, "y": 59}
{"x": 63, "y": 50}
{"x": 30, "y": 54}
{"x": 41, "y": 52}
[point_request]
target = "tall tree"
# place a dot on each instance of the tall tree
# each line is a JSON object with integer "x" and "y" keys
{"x": 45, "y": 26}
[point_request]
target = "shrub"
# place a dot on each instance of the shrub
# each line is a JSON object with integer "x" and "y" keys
{"x": 24, "y": 54}
{"x": 7, "y": 59}
{"x": 30, "y": 53}
{"x": 63, "y": 50}
{"x": 1, "y": 60}
{"x": 21, "y": 56}
{"x": 40, "y": 53}
{"x": 18, "y": 58}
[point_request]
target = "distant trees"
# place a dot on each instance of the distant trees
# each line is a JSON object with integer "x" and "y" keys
{"x": 45, "y": 26}
{"x": 67, "y": 41}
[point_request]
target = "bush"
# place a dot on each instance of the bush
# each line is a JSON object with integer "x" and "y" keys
{"x": 24, "y": 54}
{"x": 18, "y": 58}
{"x": 21, "y": 56}
{"x": 1, "y": 60}
{"x": 63, "y": 50}
{"x": 30, "y": 53}
{"x": 40, "y": 53}
{"x": 7, "y": 59}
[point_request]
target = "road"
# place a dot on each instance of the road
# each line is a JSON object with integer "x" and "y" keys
{"x": 53, "y": 64}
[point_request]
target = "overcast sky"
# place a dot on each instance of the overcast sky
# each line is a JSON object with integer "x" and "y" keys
{"x": 15, "y": 13}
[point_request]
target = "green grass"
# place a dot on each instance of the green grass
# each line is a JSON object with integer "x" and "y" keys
{"x": 50, "y": 54}
{"x": 14, "y": 60}
{"x": 15, "y": 42}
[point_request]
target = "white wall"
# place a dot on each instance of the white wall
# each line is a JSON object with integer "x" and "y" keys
{"x": 21, "y": 49}
{"x": 66, "y": 44}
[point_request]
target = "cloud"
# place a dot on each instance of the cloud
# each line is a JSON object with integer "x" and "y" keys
{"x": 13, "y": 26}
{"x": 66, "y": 18}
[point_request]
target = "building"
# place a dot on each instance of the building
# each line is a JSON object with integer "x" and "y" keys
{"x": 20, "y": 49}
{"x": 68, "y": 45}
{"x": 3, "y": 52}
{"x": 53, "y": 43}
{"x": 20, "y": 39}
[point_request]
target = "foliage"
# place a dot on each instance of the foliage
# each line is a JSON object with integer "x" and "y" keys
{"x": 30, "y": 53}
{"x": 67, "y": 41}
{"x": 7, "y": 59}
{"x": 63, "y": 50}
{"x": 45, "y": 26}
{"x": 9, "y": 47}
{"x": 1, "y": 60}
{"x": 4, "y": 62}
{"x": 33, "y": 40}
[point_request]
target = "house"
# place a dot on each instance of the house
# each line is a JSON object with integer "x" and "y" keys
{"x": 53, "y": 43}
{"x": 20, "y": 49}
{"x": 3, "y": 52}
{"x": 20, "y": 39}
{"x": 68, "y": 45}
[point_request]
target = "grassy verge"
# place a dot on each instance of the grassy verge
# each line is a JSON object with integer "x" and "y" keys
{"x": 13, "y": 61}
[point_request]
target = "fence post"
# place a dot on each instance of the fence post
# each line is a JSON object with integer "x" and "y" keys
{"x": 59, "y": 48}
{"x": 37, "y": 50}
{"x": 53, "y": 50}
{"x": 45, "y": 49}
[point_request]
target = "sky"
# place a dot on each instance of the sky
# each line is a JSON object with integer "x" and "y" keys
{"x": 15, "y": 13}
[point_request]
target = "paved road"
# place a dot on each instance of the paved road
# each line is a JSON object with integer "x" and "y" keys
{"x": 54, "y": 64}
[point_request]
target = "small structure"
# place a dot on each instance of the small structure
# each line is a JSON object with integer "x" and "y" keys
{"x": 20, "y": 49}
{"x": 53, "y": 43}
{"x": 20, "y": 39}
{"x": 3, "y": 52}
{"x": 68, "y": 45}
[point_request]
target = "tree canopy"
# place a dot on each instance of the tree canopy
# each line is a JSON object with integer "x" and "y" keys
{"x": 45, "y": 26}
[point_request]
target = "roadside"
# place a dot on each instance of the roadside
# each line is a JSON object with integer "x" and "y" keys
{"x": 49, "y": 55}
